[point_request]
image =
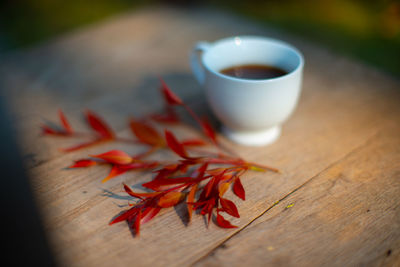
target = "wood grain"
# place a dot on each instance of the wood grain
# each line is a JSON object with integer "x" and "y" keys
{"x": 348, "y": 215}
{"x": 345, "y": 110}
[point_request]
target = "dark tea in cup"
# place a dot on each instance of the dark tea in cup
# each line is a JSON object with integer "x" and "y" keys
{"x": 253, "y": 71}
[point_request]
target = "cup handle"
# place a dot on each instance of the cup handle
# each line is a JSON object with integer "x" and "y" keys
{"x": 197, "y": 67}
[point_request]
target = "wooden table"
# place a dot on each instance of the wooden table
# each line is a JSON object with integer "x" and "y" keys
{"x": 339, "y": 153}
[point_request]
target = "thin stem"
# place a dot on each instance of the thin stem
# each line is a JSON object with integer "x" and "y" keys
{"x": 219, "y": 154}
{"x": 93, "y": 136}
{"x": 194, "y": 115}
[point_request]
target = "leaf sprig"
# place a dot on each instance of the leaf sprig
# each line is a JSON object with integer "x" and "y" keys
{"x": 199, "y": 181}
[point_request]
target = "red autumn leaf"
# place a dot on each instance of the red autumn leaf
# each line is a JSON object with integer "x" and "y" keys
{"x": 208, "y": 208}
{"x": 170, "y": 199}
{"x": 120, "y": 169}
{"x": 139, "y": 166}
{"x": 152, "y": 212}
{"x": 137, "y": 222}
{"x": 115, "y": 171}
{"x": 238, "y": 189}
{"x": 139, "y": 195}
{"x": 221, "y": 222}
{"x": 125, "y": 215}
{"x": 174, "y": 144}
{"x": 64, "y": 130}
{"x": 46, "y": 130}
{"x": 166, "y": 171}
{"x": 190, "y": 199}
{"x": 64, "y": 122}
{"x": 229, "y": 207}
{"x": 146, "y": 134}
{"x": 83, "y": 163}
{"x": 209, "y": 186}
{"x": 208, "y": 130}
{"x": 98, "y": 125}
{"x": 212, "y": 184}
{"x": 193, "y": 142}
{"x": 115, "y": 157}
{"x": 169, "y": 96}
{"x": 169, "y": 116}
{"x": 83, "y": 145}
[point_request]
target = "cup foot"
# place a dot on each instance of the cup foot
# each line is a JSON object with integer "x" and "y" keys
{"x": 258, "y": 138}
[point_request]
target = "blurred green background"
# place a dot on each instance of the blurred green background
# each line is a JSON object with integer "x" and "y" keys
{"x": 365, "y": 29}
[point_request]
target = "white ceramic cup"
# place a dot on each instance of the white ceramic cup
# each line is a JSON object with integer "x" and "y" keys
{"x": 251, "y": 111}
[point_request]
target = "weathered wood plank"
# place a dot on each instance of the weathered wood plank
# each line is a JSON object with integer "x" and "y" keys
{"x": 349, "y": 215}
{"x": 112, "y": 68}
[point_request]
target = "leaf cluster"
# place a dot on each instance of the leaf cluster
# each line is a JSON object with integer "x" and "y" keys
{"x": 200, "y": 181}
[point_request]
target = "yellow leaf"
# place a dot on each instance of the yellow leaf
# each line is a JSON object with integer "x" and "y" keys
{"x": 257, "y": 169}
{"x": 222, "y": 188}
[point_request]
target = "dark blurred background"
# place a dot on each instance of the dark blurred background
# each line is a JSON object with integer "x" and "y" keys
{"x": 368, "y": 30}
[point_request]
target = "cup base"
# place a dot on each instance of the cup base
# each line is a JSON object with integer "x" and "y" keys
{"x": 257, "y": 138}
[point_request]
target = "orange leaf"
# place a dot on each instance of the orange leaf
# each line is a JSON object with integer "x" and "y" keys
{"x": 139, "y": 195}
{"x": 98, "y": 125}
{"x": 229, "y": 207}
{"x": 169, "y": 96}
{"x": 115, "y": 157}
{"x": 83, "y": 163}
{"x": 146, "y": 134}
{"x": 221, "y": 222}
{"x": 190, "y": 199}
{"x": 222, "y": 188}
{"x": 174, "y": 145}
{"x": 226, "y": 177}
{"x": 238, "y": 189}
{"x": 170, "y": 199}
{"x": 64, "y": 122}
{"x": 115, "y": 171}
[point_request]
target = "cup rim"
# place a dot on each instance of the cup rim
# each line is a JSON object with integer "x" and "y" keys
{"x": 254, "y": 37}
